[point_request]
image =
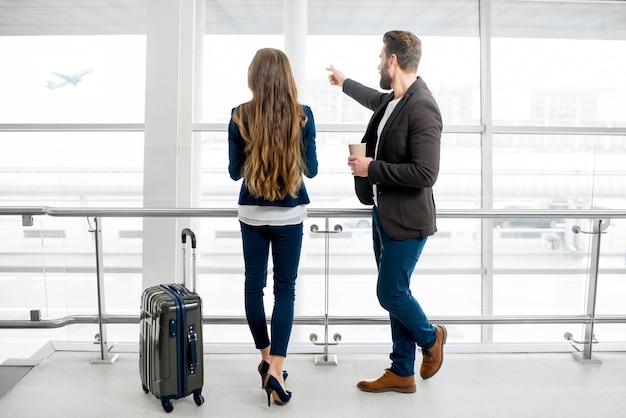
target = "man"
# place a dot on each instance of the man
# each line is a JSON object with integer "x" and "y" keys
{"x": 396, "y": 176}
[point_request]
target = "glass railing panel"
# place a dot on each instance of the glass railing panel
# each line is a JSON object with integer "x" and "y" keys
{"x": 21, "y": 291}
{"x": 611, "y": 286}
{"x": 611, "y": 291}
{"x": 612, "y": 269}
{"x": 35, "y": 283}
{"x": 607, "y": 335}
{"x": 456, "y": 246}
{"x": 539, "y": 294}
{"x": 29, "y": 258}
{"x": 550, "y": 335}
{"x": 220, "y": 265}
{"x": 447, "y": 295}
{"x": 447, "y": 282}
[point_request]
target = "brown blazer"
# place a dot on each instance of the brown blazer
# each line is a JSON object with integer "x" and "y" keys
{"x": 407, "y": 164}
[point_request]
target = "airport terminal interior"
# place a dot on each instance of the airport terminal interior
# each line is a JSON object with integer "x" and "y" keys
{"x": 114, "y": 138}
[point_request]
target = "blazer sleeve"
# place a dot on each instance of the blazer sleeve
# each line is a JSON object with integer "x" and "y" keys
{"x": 236, "y": 150}
{"x": 366, "y": 96}
{"x": 310, "y": 149}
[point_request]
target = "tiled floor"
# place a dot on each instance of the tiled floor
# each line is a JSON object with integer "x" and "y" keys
{"x": 66, "y": 384}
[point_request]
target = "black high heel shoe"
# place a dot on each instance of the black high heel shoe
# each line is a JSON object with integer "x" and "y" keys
{"x": 264, "y": 367}
{"x": 272, "y": 387}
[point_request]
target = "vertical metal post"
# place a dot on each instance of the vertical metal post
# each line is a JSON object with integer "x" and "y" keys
{"x": 325, "y": 358}
{"x": 104, "y": 357}
{"x": 586, "y": 355}
{"x": 326, "y": 287}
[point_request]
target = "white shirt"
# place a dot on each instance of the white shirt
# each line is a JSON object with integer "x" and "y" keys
{"x": 271, "y": 215}
{"x": 390, "y": 107}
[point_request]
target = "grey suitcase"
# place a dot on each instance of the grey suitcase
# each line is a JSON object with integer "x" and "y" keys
{"x": 170, "y": 340}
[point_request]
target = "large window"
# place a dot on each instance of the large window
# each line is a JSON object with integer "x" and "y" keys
{"x": 533, "y": 119}
{"x": 72, "y": 79}
{"x": 562, "y": 62}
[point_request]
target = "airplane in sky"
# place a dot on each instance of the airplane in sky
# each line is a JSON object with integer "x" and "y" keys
{"x": 67, "y": 79}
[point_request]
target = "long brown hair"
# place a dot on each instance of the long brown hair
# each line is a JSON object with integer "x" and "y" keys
{"x": 271, "y": 126}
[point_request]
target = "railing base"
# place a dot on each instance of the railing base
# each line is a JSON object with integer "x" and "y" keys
{"x": 583, "y": 360}
{"x": 326, "y": 360}
{"x": 110, "y": 360}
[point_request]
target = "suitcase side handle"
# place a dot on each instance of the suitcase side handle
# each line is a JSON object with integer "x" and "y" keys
{"x": 192, "y": 355}
{"x": 189, "y": 232}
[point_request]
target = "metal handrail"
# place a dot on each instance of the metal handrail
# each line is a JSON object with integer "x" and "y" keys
{"x": 312, "y": 212}
{"x": 323, "y": 320}
{"x": 222, "y": 127}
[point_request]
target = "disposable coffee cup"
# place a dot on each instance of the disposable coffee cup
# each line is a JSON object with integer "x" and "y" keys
{"x": 357, "y": 149}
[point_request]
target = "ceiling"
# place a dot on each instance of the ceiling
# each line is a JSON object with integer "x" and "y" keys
{"x": 538, "y": 18}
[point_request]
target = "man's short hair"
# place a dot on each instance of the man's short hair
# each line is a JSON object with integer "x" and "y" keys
{"x": 405, "y": 46}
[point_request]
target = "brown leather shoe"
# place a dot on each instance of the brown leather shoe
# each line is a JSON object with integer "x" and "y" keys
{"x": 432, "y": 358}
{"x": 388, "y": 382}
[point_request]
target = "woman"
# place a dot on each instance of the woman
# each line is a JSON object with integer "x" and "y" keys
{"x": 271, "y": 144}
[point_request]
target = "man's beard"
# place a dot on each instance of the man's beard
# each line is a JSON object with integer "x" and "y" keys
{"x": 385, "y": 78}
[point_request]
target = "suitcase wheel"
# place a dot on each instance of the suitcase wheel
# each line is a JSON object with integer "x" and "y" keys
{"x": 198, "y": 398}
{"x": 167, "y": 405}
{"x": 145, "y": 389}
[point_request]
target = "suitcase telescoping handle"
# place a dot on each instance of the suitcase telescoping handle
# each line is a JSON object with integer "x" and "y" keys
{"x": 188, "y": 232}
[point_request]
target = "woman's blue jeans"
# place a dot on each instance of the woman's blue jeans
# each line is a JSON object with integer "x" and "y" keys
{"x": 286, "y": 244}
{"x": 396, "y": 260}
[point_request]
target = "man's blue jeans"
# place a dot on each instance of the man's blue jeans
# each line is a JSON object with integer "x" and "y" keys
{"x": 396, "y": 260}
{"x": 286, "y": 244}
